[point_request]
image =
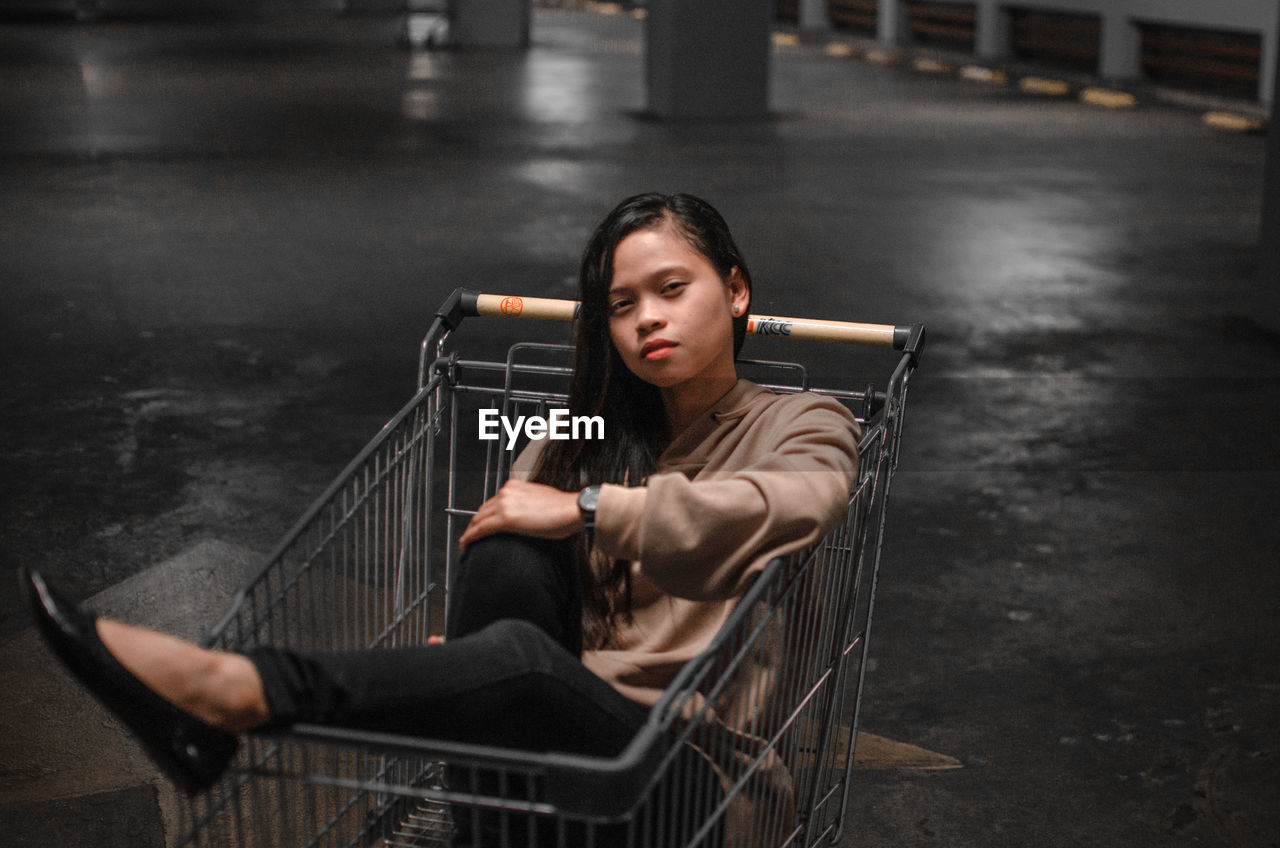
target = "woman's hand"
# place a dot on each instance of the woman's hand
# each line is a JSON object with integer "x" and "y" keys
{"x": 533, "y": 509}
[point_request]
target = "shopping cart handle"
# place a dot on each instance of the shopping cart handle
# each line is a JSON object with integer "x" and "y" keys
{"x": 460, "y": 304}
{"x": 909, "y": 338}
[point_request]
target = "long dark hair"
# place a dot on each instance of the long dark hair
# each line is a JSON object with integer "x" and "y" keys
{"x": 603, "y": 385}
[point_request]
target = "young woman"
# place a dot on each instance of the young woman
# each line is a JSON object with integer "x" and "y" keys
{"x": 588, "y": 579}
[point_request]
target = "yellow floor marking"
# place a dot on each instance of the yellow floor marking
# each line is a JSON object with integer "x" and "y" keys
{"x": 1232, "y": 122}
{"x": 990, "y": 76}
{"x": 1040, "y": 85}
{"x": 931, "y": 66}
{"x": 874, "y": 753}
{"x": 1108, "y": 99}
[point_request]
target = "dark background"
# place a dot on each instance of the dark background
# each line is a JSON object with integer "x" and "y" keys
{"x": 222, "y": 238}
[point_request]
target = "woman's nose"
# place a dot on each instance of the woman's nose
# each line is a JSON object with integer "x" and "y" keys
{"x": 649, "y": 315}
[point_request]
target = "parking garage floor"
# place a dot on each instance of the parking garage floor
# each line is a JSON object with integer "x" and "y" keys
{"x": 221, "y": 240}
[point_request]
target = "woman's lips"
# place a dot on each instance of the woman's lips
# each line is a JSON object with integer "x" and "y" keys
{"x": 656, "y": 349}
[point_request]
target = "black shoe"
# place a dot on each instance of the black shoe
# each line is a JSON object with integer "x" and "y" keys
{"x": 193, "y": 754}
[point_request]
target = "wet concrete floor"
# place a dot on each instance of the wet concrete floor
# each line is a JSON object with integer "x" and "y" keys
{"x": 221, "y": 240}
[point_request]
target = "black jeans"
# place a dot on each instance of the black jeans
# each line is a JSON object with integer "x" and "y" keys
{"x": 509, "y": 675}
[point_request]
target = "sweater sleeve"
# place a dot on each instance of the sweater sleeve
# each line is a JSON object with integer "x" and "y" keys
{"x": 527, "y": 460}
{"x": 704, "y": 539}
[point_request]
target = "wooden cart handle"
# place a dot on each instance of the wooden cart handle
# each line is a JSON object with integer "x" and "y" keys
{"x": 553, "y": 309}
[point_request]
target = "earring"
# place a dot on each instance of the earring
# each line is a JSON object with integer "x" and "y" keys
{"x": 737, "y": 309}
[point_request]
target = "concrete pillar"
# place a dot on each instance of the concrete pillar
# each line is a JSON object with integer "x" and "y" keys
{"x": 1269, "y": 76}
{"x": 1120, "y": 49}
{"x": 489, "y": 23}
{"x": 891, "y": 22}
{"x": 1269, "y": 238}
{"x": 991, "y": 41}
{"x": 708, "y": 59}
{"x": 813, "y": 16}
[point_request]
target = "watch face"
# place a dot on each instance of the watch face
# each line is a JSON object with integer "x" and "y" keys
{"x": 589, "y": 499}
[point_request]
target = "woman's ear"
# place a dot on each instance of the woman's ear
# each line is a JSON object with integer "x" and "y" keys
{"x": 739, "y": 293}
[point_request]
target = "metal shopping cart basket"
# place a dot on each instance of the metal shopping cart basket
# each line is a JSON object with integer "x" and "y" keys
{"x": 752, "y": 743}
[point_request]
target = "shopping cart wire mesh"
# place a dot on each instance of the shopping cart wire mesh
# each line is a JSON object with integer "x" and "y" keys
{"x": 750, "y": 745}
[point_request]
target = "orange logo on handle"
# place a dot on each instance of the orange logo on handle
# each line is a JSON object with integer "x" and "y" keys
{"x": 771, "y": 327}
{"x": 512, "y": 306}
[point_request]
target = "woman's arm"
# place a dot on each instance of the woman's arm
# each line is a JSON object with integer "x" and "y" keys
{"x": 704, "y": 539}
{"x": 533, "y": 509}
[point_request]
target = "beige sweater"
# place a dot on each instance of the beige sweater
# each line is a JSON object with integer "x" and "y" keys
{"x": 760, "y": 475}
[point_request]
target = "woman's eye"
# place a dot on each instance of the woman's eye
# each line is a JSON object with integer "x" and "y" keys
{"x": 618, "y": 306}
{"x": 673, "y": 288}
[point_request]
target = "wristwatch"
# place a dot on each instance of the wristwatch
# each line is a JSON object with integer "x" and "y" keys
{"x": 588, "y": 500}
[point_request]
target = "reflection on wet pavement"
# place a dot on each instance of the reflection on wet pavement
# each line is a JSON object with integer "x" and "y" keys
{"x": 220, "y": 242}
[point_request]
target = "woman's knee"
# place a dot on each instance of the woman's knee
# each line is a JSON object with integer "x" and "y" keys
{"x": 510, "y": 561}
{"x": 510, "y": 576}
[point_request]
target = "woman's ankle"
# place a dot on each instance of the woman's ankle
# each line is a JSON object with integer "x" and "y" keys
{"x": 238, "y": 702}
{"x": 221, "y": 689}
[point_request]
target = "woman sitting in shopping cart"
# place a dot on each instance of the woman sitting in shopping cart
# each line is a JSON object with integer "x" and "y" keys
{"x": 592, "y": 575}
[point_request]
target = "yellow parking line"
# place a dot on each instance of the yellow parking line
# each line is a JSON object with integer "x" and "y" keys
{"x": 1041, "y": 85}
{"x": 1231, "y": 122}
{"x": 1108, "y": 98}
{"x": 931, "y": 66}
{"x": 990, "y": 76}
{"x": 881, "y": 57}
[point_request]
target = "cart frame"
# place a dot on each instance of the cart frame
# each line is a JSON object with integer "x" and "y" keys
{"x": 770, "y": 707}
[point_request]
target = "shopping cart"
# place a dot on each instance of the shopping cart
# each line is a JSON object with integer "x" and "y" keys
{"x": 751, "y": 744}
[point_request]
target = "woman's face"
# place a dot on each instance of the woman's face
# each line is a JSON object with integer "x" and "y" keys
{"x": 670, "y": 313}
